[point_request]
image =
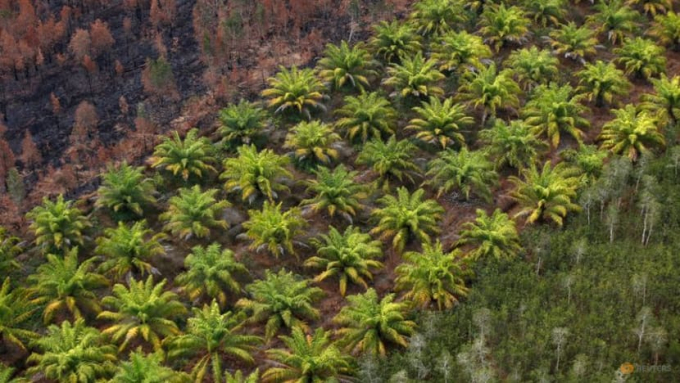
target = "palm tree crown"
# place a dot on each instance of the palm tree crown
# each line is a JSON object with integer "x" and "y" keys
{"x": 336, "y": 192}
{"x": 366, "y": 116}
{"x": 129, "y": 249}
{"x": 440, "y": 123}
{"x": 9, "y": 249}
{"x": 343, "y": 66}
{"x": 435, "y": 17}
{"x": 642, "y": 57}
{"x": 468, "y": 171}
{"x": 255, "y": 173}
{"x": 513, "y": 144}
{"x": 147, "y": 368}
{"x": 502, "y": 25}
{"x": 391, "y": 160}
{"x": 632, "y": 133}
{"x": 57, "y": 225}
{"x": 415, "y": 77}
{"x": 574, "y": 41}
{"x": 192, "y": 156}
{"x": 15, "y": 309}
{"x": 313, "y": 143}
{"x": 393, "y": 40}
{"x": 460, "y": 51}
{"x": 241, "y": 124}
{"x": 665, "y": 101}
{"x": 295, "y": 89}
{"x": 274, "y": 229}
{"x": 126, "y": 190}
{"x": 193, "y": 212}
{"x": 490, "y": 90}
{"x": 602, "y": 81}
{"x": 532, "y": 66}
{"x": 493, "y": 236}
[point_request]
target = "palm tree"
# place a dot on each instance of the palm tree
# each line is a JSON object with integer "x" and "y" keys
{"x": 665, "y": 101}
{"x": 614, "y": 19}
{"x": 239, "y": 377}
{"x": 211, "y": 273}
{"x": 666, "y": 29}
{"x": 342, "y": 66}
{"x": 192, "y": 156}
{"x": 415, "y": 77}
{"x": 57, "y": 225}
{"x": 255, "y": 173}
{"x": 492, "y": 236}
{"x": 394, "y": 40}
{"x": 313, "y": 143}
{"x": 653, "y": 6}
{"x": 533, "y": 67}
{"x": 369, "y": 323}
{"x": 468, "y": 171}
{"x": 490, "y": 90}
{"x": 73, "y": 352}
{"x": 129, "y": 249}
{"x": 436, "y": 17}
{"x": 546, "y": 12}
{"x": 546, "y": 194}
{"x": 553, "y": 110}
{"x": 335, "y": 192}
{"x": 574, "y": 41}
{"x": 440, "y": 123}
{"x": 147, "y": 368}
{"x": 15, "y": 309}
{"x": 193, "y": 213}
{"x": 125, "y": 190}
{"x": 366, "y": 116}
{"x": 241, "y": 124}
{"x": 309, "y": 358}
{"x": 588, "y": 159}
{"x": 210, "y": 335}
{"x": 642, "y": 57}
{"x": 501, "y": 25}
{"x": 432, "y": 276}
{"x": 62, "y": 284}
{"x": 602, "y": 81}
{"x": 349, "y": 255}
{"x": 406, "y": 216}
{"x": 281, "y": 300}
{"x": 274, "y": 229}
{"x": 143, "y": 311}
{"x": 632, "y": 133}
{"x": 513, "y": 144}
{"x": 295, "y": 89}
{"x": 9, "y": 249}
{"x": 460, "y": 51}
{"x": 391, "y": 160}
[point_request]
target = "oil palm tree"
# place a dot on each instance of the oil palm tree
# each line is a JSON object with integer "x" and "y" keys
{"x": 460, "y": 52}
{"x": 369, "y": 324}
{"x": 366, "y": 116}
{"x": 641, "y": 57}
{"x": 240, "y": 377}
{"x": 193, "y": 156}
{"x": 574, "y": 42}
{"x": 602, "y": 81}
{"x": 471, "y": 172}
{"x": 492, "y": 235}
{"x": 533, "y": 67}
{"x": 632, "y": 133}
{"x": 589, "y": 159}
{"x": 406, "y": 216}
{"x": 308, "y": 358}
{"x": 57, "y": 225}
{"x": 665, "y": 101}
{"x": 414, "y": 77}
{"x": 281, "y": 300}
{"x": 440, "y": 123}
{"x": 296, "y": 90}
{"x": 335, "y": 191}
{"x": 433, "y": 276}
{"x": 15, "y": 309}
{"x": 502, "y": 25}
{"x": 545, "y": 12}
{"x": 62, "y": 286}
{"x": 513, "y": 144}
{"x": 490, "y": 90}
{"x": 350, "y": 256}
{"x": 142, "y": 310}
{"x": 125, "y": 190}
{"x": 127, "y": 250}
{"x": 393, "y": 40}
{"x": 653, "y": 7}
{"x": 241, "y": 124}
{"x": 193, "y": 212}
{"x": 147, "y": 368}
{"x": 313, "y": 143}
{"x": 274, "y": 229}
{"x": 666, "y": 29}
{"x": 615, "y": 19}
{"x": 344, "y": 66}
{"x": 9, "y": 248}
{"x": 210, "y": 273}
{"x": 73, "y": 352}
{"x": 210, "y": 335}
{"x": 255, "y": 173}
{"x": 391, "y": 160}
{"x": 436, "y": 17}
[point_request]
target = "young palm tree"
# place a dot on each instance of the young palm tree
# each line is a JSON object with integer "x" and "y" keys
{"x": 533, "y": 67}
{"x": 295, "y": 89}
{"x": 193, "y": 213}
{"x": 653, "y": 6}
{"x": 492, "y": 236}
{"x": 642, "y": 58}
{"x": 15, "y": 309}
{"x": 211, "y": 273}
{"x": 415, "y": 77}
{"x": 574, "y": 41}
{"x": 546, "y": 12}
{"x": 546, "y": 194}
{"x": 9, "y": 249}
{"x": 554, "y": 110}
{"x": 440, "y": 123}
{"x": 490, "y": 90}
{"x": 57, "y": 225}
{"x": 436, "y": 17}
{"x": 73, "y": 352}
{"x": 614, "y": 19}
{"x": 143, "y": 311}
{"x": 125, "y": 190}
{"x": 666, "y": 29}
{"x": 281, "y": 300}
{"x": 274, "y": 229}
{"x": 210, "y": 335}
{"x": 255, "y": 173}
{"x": 513, "y": 144}
{"x": 501, "y": 25}
{"x": 335, "y": 192}
{"x": 468, "y": 171}
{"x": 147, "y": 368}
{"x": 391, "y": 160}
{"x": 63, "y": 286}
{"x": 241, "y": 124}
{"x": 369, "y": 323}
{"x": 394, "y": 40}
{"x": 129, "y": 249}
{"x": 313, "y": 143}
{"x": 460, "y": 52}
{"x": 343, "y": 66}
{"x": 350, "y": 256}
{"x": 406, "y": 216}
{"x": 602, "y": 81}
{"x": 239, "y": 377}
{"x": 588, "y": 159}
{"x": 366, "y": 116}
{"x": 192, "y": 156}
{"x": 632, "y": 133}
{"x": 665, "y": 101}
{"x": 432, "y": 276}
